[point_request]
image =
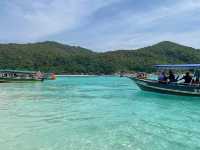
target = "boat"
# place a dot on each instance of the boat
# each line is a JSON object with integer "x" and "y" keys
{"x": 20, "y": 76}
{"x": 50, "y": 76}
{"x": 173, "y": 88}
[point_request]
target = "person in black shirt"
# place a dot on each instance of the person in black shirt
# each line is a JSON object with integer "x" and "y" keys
{"x": 171, "y": 77}
{"x": 187, "y": 78}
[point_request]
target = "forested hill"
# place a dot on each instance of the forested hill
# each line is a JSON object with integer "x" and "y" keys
{"x": 60, "y": 58}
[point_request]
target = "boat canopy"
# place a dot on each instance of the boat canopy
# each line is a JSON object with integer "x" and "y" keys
{"x": 178, "y": 66}
{"x": 18, "y": 71}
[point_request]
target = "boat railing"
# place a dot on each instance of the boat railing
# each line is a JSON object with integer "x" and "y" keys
{"x": 170, "y": 83}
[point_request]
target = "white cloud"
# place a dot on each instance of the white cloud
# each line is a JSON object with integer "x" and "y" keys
{"x": 40, "y": 19}
{"x": 143, "y": 29}
{"x": 34, "y": 20}
{"x": 146, "y": 39}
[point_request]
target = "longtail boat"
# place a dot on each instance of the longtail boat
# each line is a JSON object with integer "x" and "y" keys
{"x": 175, "y": 88}
{"x": 20, "y": 76}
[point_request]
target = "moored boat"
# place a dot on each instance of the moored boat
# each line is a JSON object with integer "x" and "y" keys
{"x": 50, "y": 76}
{"x": 20, "y": 76}
{"x": 175, "y": 88}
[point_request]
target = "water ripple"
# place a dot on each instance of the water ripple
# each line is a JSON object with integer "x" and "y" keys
{"x": 95, "y": 113}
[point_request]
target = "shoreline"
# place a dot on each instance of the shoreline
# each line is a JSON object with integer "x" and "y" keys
{"x": 82, "y": 75}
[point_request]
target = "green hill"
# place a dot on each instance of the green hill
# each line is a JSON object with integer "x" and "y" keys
{"x": 161, "y": 53}
{"x": 52, "y": 56}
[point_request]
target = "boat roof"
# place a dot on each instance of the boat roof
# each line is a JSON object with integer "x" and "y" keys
{"x": 18, "y": 71}
{"x": 178, "y": 66}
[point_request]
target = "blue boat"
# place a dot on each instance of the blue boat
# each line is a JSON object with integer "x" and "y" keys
{"x": 174, "y": 88}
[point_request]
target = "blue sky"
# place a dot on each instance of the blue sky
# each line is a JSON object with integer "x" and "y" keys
{"x": 101, "y": 25}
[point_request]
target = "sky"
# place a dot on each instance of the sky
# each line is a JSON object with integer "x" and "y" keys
{"x": 101, "y": 25}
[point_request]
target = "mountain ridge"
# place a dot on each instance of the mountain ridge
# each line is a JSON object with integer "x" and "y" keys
{"x": 51, "y": 56}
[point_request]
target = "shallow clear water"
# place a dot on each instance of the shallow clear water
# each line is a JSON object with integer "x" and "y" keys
{"x": 95, "y": 113}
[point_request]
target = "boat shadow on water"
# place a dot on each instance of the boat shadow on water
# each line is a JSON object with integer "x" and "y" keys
{"x": 163, "y": 97}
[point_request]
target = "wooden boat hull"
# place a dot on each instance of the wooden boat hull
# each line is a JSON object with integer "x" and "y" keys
{"x": 170, "y": 88}
{"x": 8, "y": 80}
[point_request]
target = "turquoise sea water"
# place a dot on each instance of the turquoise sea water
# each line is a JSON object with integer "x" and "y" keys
{"x": 95, "y": 113}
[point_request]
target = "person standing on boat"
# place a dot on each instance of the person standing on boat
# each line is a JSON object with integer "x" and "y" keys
{"x": 187, "y": 78}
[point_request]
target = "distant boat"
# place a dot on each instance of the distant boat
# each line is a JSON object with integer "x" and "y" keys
{"x": 20, "y": 76}
{"x": 175, "y": 88}
{"x": 50, "y": 76}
